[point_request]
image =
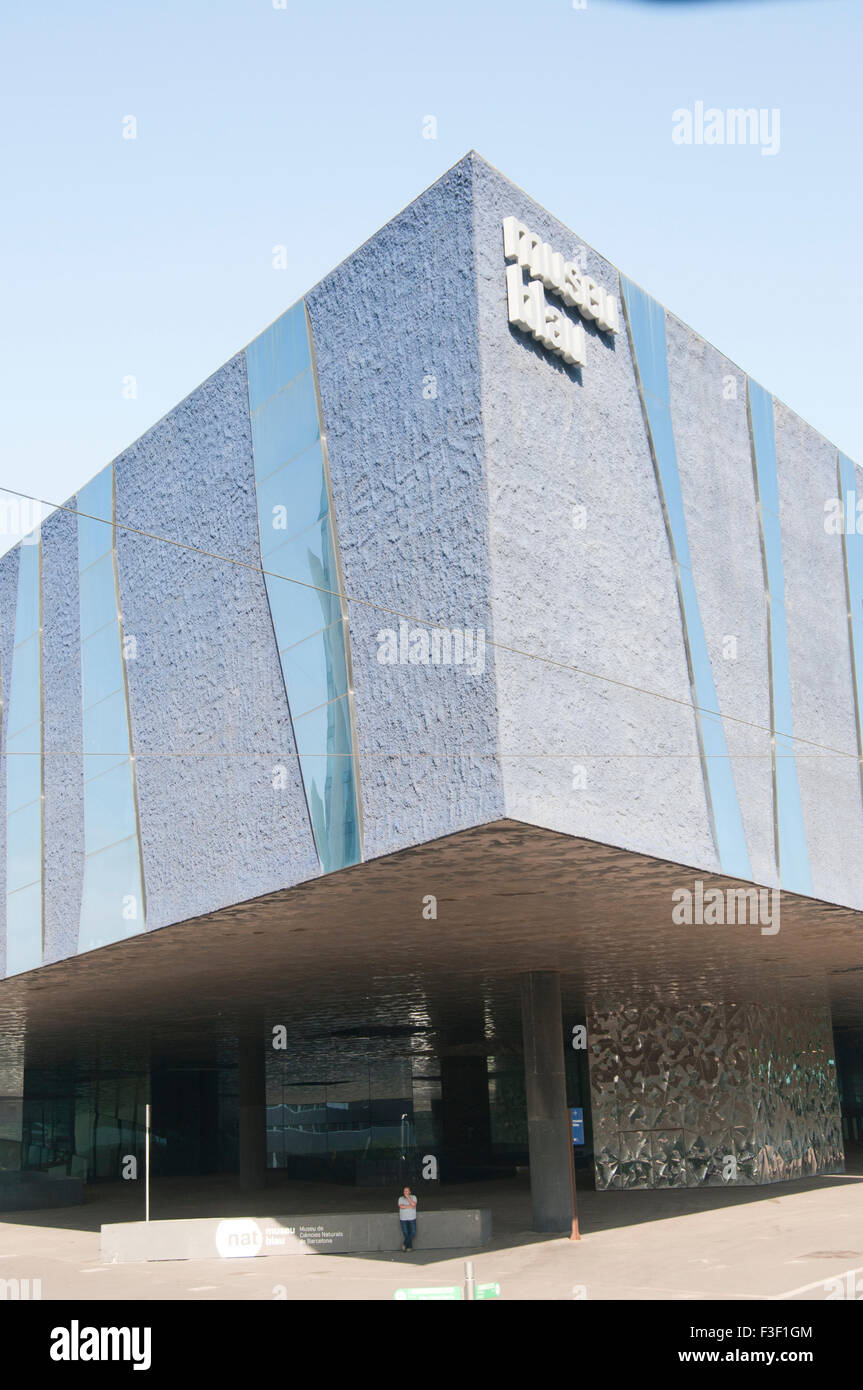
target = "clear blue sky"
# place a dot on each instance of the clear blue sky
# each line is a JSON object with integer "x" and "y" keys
{"x": 303, "y": 126}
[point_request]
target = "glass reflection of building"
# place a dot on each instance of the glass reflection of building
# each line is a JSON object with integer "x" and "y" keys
{"x": 299, "y": 553}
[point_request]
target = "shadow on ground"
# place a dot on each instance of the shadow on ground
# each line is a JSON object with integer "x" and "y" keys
{"x": 509, "y": 1200}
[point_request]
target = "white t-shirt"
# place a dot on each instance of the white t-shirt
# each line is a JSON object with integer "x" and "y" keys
{"x": 407, "y": 1209}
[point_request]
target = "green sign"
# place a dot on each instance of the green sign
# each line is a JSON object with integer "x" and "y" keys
{"x": 488, "y": 1290}
{"x": 450, "y": 1291}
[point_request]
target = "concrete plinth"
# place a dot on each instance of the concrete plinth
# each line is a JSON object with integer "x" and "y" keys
{"x": 253, "y": 1237}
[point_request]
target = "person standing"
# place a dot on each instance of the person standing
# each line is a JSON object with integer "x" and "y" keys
{"x": 408, "y": 1218}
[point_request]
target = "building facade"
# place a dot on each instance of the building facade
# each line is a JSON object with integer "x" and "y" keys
{"x": 448, "y": 715}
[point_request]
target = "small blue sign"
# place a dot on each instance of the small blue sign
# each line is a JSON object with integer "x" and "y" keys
{"x": 577, "y": 1119}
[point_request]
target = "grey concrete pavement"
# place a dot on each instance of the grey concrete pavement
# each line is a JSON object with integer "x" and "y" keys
{"x": 783, "y": 1241}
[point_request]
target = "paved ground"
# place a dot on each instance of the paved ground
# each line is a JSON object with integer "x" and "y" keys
{"x": 778, "y": 1242}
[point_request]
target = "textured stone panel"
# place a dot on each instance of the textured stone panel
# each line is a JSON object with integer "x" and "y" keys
{"x": 406, "y": 460}
{"x": 210, "y": 724}
{"x": 714, "y": 457}
{"x": 603, "y": 598}
{"x": 63, "y": 738}
{"x": 8, "y": 597}
{"x": 819, "y": 656}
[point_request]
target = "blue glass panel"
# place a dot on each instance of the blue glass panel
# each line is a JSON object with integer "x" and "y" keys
{"x": 646, "y": 320}
{"x": 659, "y": 418}
{"x": 98, "y": 596}
{"x": 109, "y": 810}
{"x": 95, "y": 766}
{"x": 24, "y": 929}
{"x": 27, "y": 610}
{"x": 24, "y": 847}
{"x": 791, "y": 832}
{"x": 106, "y": 733}
{"x": 731, "y": 839}
{"x": 101, "y": 665}
{"x": 290, "y": 475}
{"x": 702, "y": 671}
{"x": 793, "y": 850}
{"x": 309, "y": 559}
{"x": 96, "y": 538}
{"x": 112, "y": 908}
{"x": 298, "y": 611}
{"x": 782, "y": 719}
{"x": 23, "y": 768}
{"x": 324, "y": 733}
{"x": 761, "y": 415}
{"x": 316, "y": 670}
{"x": 324, "y": 745}
{"x": 772, "y": 539}
{"x": 292, "y": 499}
{"x": 278, "y": 355}
{"x": 285, "y": 426}
{"x": 25, "y": 693}
{"x": 647, "y": 326}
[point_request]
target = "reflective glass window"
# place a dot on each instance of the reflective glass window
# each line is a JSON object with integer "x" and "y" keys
{"x": 771, "y": 536}
{"x": 301, "y": 574}
{"x": 96, "y": 500}
{"x": 23, "y": 768}
{"x": 101, "y": 664}
{"x": 793, "y": 848}
{"x": 761, "y": 417}
{"x": 647, "y": 329}
{"x": 24, "y": 929}
{"x": 291, "y": 499}
{"x": 702, "y": 671}
{"x": 316, "y": 669}
{"x": 106, "y": 732}
{"x": 24, "y": 706}
{"x": 24, "y": 846}
{"x": 723, "y": 792}
{"x": 98, "y": 596}
{"x": 286, "y": 425}
{"x": 299, "y": 610}
{"x": 27, "y": 608}
{"x": 112, "y": 908}
{"x": 659, "y": 416}
{"x": 303, "y": 585}
{"x": 782, "y": 720}
{"x": 325, "y": 747}
{"x": 278, "y": 355}
{"x": 109, "y": 810}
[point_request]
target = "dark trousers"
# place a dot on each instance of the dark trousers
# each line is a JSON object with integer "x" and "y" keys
{"x": 408, "y": 1232}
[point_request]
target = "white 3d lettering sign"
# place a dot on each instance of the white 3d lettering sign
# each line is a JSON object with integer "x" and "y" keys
{"x": 546, "y": 269}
